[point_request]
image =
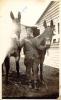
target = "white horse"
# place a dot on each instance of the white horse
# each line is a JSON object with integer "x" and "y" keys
{"x": 14, "y": 44}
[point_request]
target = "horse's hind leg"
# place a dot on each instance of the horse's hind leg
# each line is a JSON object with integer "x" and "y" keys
{"x": 7, "y": 65}
{"x": 2, "y": 69}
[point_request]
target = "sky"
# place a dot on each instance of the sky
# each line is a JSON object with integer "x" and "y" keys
{"x": 30, "y": 10}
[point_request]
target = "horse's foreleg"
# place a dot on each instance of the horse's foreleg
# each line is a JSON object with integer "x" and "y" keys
{"x": 17, "y": 67}
{"x": 41, "y": 65}
{"x": 41, "y": 72}
{"x": 7, "y": 65}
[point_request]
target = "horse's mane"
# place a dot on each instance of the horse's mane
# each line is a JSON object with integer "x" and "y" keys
{"x": 44, "y": 34}
{"x": 40, "y": 36}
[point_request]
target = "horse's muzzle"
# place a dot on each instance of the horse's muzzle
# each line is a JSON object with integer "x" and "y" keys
{"x": 48, "y": 42}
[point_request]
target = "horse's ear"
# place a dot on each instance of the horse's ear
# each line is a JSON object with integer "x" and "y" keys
{"x": 45, "y": 24}
{"x": 19, "y": 16}
{"x": 51, "y": 23}
{"x": 12, "y": 15}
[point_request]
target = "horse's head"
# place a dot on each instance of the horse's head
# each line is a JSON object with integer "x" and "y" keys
{"x": 16, "y": 22}
{"x": 49, "y": 32}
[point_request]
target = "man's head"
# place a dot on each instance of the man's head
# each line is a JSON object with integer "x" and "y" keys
{"x": 29, "y": 32}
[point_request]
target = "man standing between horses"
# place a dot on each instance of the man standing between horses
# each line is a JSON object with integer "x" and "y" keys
{"x": 31, "y": 59}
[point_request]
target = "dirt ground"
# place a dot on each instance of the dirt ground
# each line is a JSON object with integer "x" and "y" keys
{"x": 18, "y": 88}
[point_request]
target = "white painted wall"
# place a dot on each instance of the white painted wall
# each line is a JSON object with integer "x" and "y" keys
{"x": 52, "y": 13}
{"x": 52, "y": 57}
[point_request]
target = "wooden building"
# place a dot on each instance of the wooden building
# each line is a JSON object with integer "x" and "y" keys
{"x": 51, "y": 13}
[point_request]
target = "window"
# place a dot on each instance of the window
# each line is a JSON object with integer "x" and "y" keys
{"x": 58, "y": 28}
{"x": 54, "y": 40}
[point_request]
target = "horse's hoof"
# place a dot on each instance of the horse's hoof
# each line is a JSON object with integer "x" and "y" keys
{"x": 18, "y": 76}
{"x": 30, "y": 86}
{"x": 7, "y": 83}
{"x": 36, "y": 88}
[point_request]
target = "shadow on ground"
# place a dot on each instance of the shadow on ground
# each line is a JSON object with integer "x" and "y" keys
{"x": 18, "y": 88}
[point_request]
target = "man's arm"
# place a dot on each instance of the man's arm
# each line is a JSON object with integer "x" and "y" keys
{"x": 41, "y": 47}
{"x": 21, "y": 43}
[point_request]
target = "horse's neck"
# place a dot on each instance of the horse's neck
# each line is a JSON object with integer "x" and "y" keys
{"x": 43, "y": 36}
{"x": 40, "y": 38}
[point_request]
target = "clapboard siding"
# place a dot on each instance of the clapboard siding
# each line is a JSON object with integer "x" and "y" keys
{"x": 51, "y": 12}
{"x": 52, "y": 59}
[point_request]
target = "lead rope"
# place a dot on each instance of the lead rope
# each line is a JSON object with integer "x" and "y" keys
{"x": 47, "y": 52}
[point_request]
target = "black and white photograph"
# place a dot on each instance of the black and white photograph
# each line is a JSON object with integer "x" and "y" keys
{"x": 30, "y": 49}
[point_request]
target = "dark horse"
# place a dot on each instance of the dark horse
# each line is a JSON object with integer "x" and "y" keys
{"x": 42, "y": 52}
{"x": 46, "y": 43}
{"x": 35, "y": 49}
{"x": 14, "y": 47}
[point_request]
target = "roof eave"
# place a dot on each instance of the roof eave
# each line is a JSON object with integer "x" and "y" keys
{"x": 44, "y": 11}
